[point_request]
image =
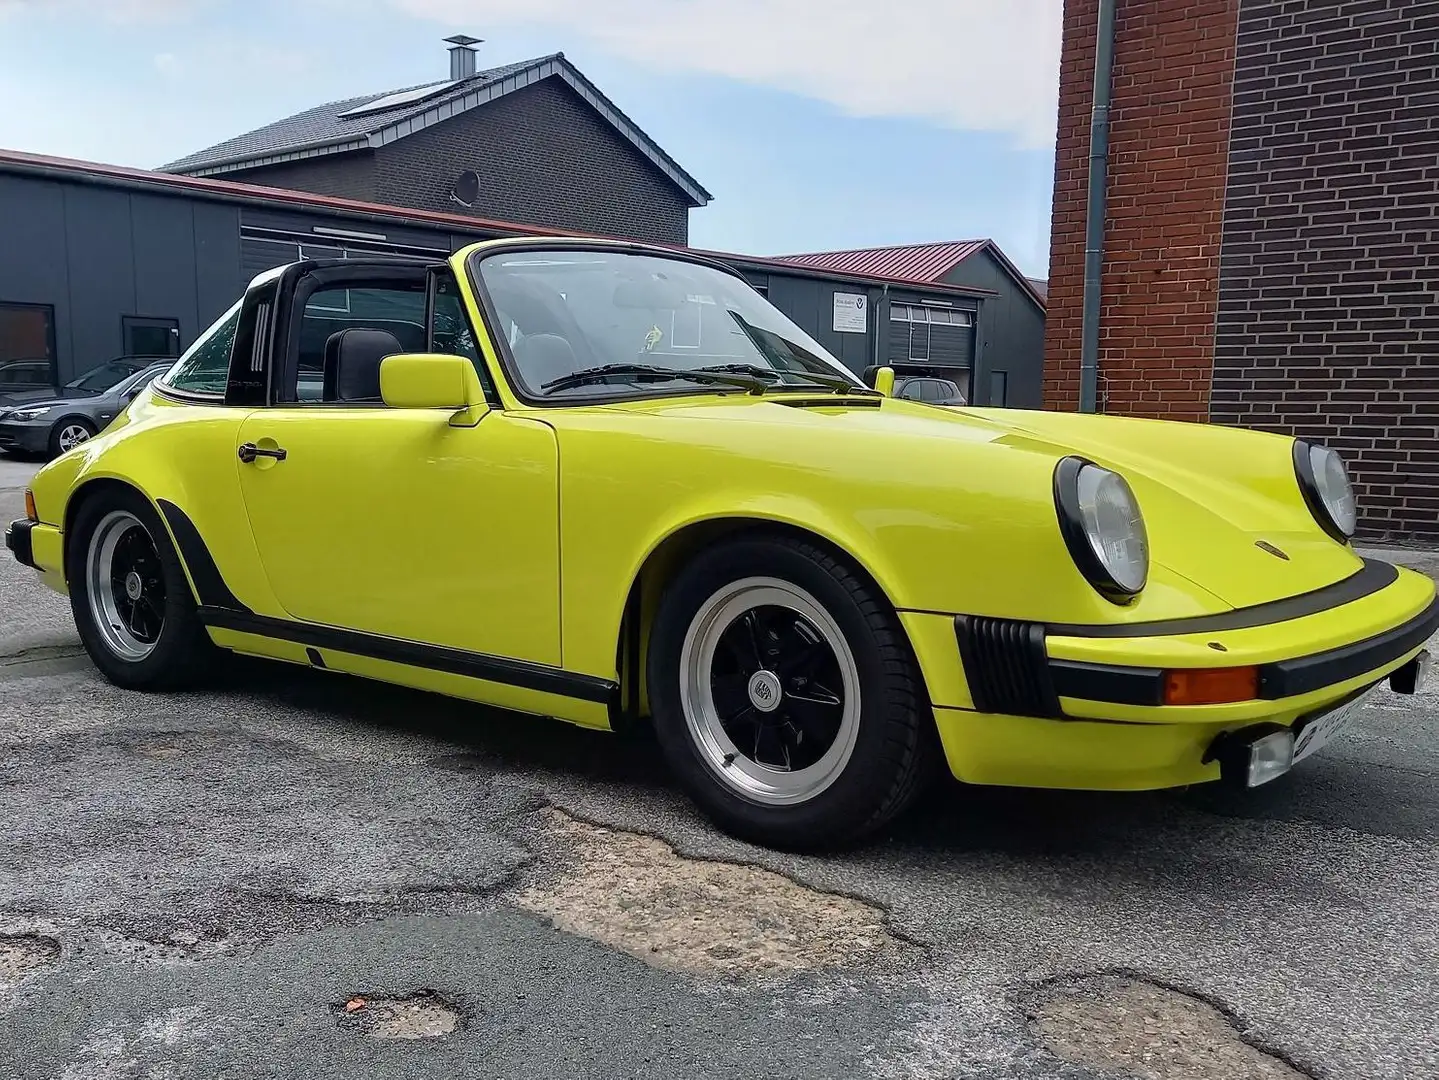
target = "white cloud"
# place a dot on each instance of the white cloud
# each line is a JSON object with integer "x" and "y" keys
{"x": 976, "y": 65}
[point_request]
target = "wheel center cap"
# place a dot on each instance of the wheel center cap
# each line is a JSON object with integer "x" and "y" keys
{"x": 133, "y": 585}
{"x": 765, "y": 691}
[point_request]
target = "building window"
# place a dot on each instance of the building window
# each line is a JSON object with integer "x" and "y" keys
{"x": 27, "y": 346}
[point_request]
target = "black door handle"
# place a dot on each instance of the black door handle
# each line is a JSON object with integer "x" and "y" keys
{"x": 249, "y": 452}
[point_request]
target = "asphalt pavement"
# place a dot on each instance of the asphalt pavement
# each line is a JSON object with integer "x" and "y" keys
{"x": 275, "y": 876}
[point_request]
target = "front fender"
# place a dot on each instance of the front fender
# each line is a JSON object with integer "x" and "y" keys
{"x": 183, "y": 455}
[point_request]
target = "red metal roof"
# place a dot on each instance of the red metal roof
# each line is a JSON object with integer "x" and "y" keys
{"x": 926, "y": 263}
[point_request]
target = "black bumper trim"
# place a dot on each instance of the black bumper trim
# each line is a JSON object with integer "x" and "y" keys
{"x": 1288, "y": 678}
{"x": 17, "y": 539}
{"x": 1374, "y": 577}
{"x": 1010, "y": 673}
{"x": 1107, "y": 682}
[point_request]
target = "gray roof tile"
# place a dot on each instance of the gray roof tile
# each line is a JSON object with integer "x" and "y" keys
{"x": 323, "y": 124}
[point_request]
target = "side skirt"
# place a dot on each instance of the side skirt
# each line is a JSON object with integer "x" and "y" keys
{"x": 496, "y": 669}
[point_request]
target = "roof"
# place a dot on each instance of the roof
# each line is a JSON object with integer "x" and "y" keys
{"x": 1041, "y": 286}
{"x": 914, "y": 262}
{"x": 925, "y": 264}
{"x": 326, "y": 129}
{"x": 56, "y": 168}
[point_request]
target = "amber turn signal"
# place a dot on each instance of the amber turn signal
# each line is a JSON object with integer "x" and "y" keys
{"x": 30, "y": 506}
{"x": 1210, "y": 686}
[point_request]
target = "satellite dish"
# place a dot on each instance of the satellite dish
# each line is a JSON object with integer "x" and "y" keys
{"x": 466, "y": 188}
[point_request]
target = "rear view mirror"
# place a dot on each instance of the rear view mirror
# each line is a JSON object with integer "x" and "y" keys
{"x": 432, "y": 381}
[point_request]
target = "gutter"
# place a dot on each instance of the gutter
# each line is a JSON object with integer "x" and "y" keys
{"x": 1097, "y": 210}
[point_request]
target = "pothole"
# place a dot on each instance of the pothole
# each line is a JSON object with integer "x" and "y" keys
{"x": 22, "y": 954}
{"x": 1147, "y": 1031}
{"x": 635, "y": 894}
{"x": 421, "y": 1015}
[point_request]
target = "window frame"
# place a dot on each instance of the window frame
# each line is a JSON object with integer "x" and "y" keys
{"x": 204, "y": 397}
{"x": 51, "y": 357}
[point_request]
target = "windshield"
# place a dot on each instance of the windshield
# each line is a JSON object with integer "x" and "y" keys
{"x": 568, "y": 312}
{"x": 104, "y": 376}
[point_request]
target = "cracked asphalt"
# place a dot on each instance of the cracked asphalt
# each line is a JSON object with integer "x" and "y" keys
{"x": 223, "y": 870}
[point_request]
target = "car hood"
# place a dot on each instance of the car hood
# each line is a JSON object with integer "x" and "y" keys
{"x": 1209, "y": 495}
{"x": 42, "y": 397}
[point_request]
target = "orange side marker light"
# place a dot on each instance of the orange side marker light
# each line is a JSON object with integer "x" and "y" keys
{"x": 1210, "y": 686}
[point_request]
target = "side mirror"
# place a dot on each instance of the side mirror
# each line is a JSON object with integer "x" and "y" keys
{"x": 433, "y": 381}
{"x": 884, "y": 381}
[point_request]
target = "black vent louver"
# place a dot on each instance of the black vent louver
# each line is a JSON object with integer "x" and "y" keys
{"x": 1006, "y": 666}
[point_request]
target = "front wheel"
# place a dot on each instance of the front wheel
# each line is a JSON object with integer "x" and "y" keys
{"x": 69, "y": 434}
{"x": 129, "y": 595}
{"x": 786, "y": 697}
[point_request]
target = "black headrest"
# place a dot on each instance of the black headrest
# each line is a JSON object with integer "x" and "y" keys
{"x": 352, "y": 363}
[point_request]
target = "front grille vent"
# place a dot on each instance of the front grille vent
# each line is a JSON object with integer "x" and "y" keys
{"x": 1006, "y": 666}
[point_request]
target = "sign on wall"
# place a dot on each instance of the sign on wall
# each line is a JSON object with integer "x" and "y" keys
{"x": 850, "y": 313}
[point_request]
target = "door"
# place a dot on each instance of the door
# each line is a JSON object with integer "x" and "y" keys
{"x": 150, "y": 337}
{"x": 390, "y": 521}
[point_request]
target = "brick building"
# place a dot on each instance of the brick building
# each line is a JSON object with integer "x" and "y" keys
{"x": 533, "y": 142}
{"x": 1271, "y": 244}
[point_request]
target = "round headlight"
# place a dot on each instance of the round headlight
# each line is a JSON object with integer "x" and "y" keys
{"x": 1103, "y": 528}
{"x": 1325, "y": 483}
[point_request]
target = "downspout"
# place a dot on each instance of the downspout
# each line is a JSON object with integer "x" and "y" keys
{"x": 880, "y": 319}
{"x": 1097, "y": 210}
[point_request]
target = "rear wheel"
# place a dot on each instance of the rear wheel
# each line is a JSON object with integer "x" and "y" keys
{"x": 129, "y": 595}
{"x": 785, "y": 695}
{"x": 70, "y": 433}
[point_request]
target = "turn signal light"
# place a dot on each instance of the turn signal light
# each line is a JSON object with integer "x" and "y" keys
{"x": 30, "y": 506}
{"x": 1210, "y": 686}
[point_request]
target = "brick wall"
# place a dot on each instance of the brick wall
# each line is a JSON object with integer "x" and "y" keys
{"x": 1173, "y": 72}
{"x": 1329, "y": 318}
{"x": 346, "y": 176}
{"x": 543, "y": 157}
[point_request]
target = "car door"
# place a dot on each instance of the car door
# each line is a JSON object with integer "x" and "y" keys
{"x": 391, "y": 521}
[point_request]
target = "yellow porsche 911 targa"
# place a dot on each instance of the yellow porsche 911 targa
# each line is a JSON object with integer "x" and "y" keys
{"x": 612, "y": 484}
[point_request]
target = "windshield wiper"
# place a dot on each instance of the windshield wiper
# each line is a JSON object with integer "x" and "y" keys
{"x": 809, "y": 378}
{"x": 649, "y": 371}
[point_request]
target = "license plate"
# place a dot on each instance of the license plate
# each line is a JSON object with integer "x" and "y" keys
{"x": 1319, "y": 731}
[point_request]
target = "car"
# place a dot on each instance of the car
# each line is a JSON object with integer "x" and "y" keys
{"x": 610, "y": 483}
{"x": 47, "y": 422}
{"x": 27, "y": 373}
{"x": 934, "y": 391}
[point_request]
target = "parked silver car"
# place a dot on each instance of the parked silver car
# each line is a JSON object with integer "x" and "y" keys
{"x": 47, "y": 422}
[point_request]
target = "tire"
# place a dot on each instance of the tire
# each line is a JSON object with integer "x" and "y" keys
{"x": 69, "y": 433}
{"x": 153, "y": 638}
{"x": 826, "y": 633}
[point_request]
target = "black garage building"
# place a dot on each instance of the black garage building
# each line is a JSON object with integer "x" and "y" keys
{"x": 101, "y": 261}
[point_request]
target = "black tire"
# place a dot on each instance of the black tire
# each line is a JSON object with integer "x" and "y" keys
{"x": 896, "y": 751}
{"x": 182, "y": 652}
{"x": 70, "y": 421}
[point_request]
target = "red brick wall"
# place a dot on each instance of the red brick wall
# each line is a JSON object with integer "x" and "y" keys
{"x": 1169, "y": 146}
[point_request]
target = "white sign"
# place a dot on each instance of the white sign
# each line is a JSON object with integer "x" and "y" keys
{"x": 850, "y": 313}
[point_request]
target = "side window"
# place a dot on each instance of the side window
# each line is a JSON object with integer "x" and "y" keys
{"x": 397, "y": 311}
{"x": 394, "y": 310}
{"x": 452, "y": 328}
{"x": 205, "y": 366}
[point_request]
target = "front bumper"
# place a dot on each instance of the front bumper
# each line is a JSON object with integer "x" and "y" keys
{"x": 25, "y": 438}
{"x": 1085, "y": 706}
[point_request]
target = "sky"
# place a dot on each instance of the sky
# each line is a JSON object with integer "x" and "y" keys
{"x": 816, "y": 124}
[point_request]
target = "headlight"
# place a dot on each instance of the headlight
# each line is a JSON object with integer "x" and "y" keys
{"x": 30, "y": 414}
{"x": 1102, "y": 527}
{"x": 1325, "y": 483}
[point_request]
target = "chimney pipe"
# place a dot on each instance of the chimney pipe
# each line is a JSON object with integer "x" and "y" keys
{"x": 462, "y": 56}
